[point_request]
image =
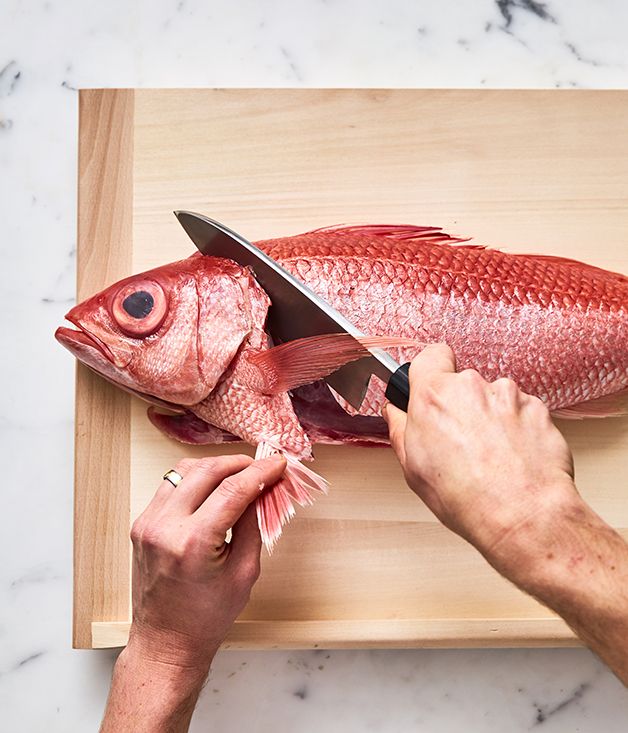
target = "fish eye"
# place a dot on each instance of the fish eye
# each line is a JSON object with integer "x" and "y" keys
{"x": 139, "y": 308}
{"x": 139, "y": 304}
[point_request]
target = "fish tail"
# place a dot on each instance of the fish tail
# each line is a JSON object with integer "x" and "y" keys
{"x": 275, "y": 507}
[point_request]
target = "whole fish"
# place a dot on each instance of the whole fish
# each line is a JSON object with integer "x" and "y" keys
{"x": 190, "y": 337}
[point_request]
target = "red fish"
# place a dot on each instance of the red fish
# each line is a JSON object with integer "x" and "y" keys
{"x": 189, "y": 336}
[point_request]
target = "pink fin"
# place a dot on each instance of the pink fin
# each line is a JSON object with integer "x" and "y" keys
{"x": 275, "y": 508}
{"x": 149, "y": 398}
{"x": 188, "y": 428}
{"x": 435, "y": 235}
{"x": 612, "y": 405}
{"x": 397, "y": 231}
{"x": 306, "y": 360}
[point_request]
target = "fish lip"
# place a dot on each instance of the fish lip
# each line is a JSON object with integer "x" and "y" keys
{"x": 87, "y": 338}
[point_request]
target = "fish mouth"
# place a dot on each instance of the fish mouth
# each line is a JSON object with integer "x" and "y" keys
{"x": 80, "y": 341}
{"x": 96, "y": 355}
{"x": 71, "y": 337}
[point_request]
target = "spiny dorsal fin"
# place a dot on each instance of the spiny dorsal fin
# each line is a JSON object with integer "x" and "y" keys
{"x": 435, "y": 235}
{"x": 397, "y": 231}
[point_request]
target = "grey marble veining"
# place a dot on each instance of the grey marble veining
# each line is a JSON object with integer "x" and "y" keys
{"x": 49, "y": 49}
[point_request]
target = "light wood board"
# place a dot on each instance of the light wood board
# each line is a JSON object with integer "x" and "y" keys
{"x": 369, "y": 565}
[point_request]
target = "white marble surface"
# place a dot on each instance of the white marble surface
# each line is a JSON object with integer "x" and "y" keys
{"x": 49, "y": 48}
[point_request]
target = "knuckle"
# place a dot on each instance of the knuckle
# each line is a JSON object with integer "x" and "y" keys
{"x": 177, "y": 554}
{"x": 230, "y": 489}
{"x": 440, "y": 350}
{"x": 471, "y": 376}
{"x": 152, "y": 537}
{"x": 537, "y": 406}
{"x": 244, "y": 458}
{"x": 188, "y": 546}
{"x": 207, "y": 464}
{"x": 467, "y": 383}
{"x": 256, "y": 472}
{"x": 445, "y": 350}
{"x": 137, "y": 530}
{"x": 249, "y": 572}
{"x": 506, "y": 384}
{"x": 217, "y": 467}
{"x": 185, "y": 465}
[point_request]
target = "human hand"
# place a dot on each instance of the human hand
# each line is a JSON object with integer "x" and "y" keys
{"x": 485, "y": 457}
{"x": 188, "y": 584}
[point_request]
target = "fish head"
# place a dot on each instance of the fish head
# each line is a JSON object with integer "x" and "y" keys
{"x": 170, "y": 332}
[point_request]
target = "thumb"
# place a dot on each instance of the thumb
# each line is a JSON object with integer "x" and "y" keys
{"x": 396, "y": 420}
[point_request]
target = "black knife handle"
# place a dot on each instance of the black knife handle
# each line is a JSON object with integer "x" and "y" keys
{"x": 398, "y": 389}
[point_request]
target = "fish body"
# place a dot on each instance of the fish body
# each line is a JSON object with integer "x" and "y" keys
{"x": 190, "y": 337}
{"x": 558, "y": 328}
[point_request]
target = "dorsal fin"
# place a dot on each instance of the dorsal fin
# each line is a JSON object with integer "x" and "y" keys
{"x": 396, "y": 231}
{"x": 435, "y": 235}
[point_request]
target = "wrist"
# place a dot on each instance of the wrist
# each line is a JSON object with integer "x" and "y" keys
{"x": 525, "y": 549}
{"x": 169, "y": 654}
{"x": 151, "y": 691}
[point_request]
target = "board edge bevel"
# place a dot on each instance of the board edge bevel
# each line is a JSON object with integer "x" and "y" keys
{"x": 102, "y": 466}
{"x": 378, "y": 634}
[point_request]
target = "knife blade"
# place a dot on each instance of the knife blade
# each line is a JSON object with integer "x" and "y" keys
{"x": 297, "y": 311}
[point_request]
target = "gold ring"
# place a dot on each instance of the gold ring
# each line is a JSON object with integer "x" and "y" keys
{"x": 173, "y": 477}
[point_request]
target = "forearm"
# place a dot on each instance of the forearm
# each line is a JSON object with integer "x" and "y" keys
{"x": 189, "y": 586}
{"x": 577, "y": 565}
{"x": 149, "y": 695}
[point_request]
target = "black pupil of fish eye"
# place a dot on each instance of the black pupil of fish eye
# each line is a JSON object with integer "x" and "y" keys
{"x": 139, "y": 304}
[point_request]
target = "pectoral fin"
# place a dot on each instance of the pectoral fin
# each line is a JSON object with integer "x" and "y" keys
{"x": 306, "y": 360}
{"x": 275, "y": 507}
{"x": 188, "y": 428}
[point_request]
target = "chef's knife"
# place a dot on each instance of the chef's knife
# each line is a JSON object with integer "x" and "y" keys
{"x": 297, "y": 311}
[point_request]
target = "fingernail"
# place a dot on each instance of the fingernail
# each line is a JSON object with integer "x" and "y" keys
{"x": 277, "y": 457}
{"x": 384, "y": 411}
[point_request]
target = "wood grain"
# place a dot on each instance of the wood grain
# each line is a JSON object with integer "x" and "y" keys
{"x": 102, "y": 442}
{"x": 526, "y": 171}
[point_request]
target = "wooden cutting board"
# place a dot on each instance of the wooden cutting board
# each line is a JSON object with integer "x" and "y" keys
{"x": 527, "y": 171}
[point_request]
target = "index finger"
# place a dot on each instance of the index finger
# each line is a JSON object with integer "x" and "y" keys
{"x": 222, "y": 509}
{"x": 396, "y": 420}
{"x": 434, "y": 359}
{"x": 201, "y": 479}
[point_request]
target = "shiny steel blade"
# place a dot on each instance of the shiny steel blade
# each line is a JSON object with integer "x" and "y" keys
{"x": 296, "y": 311}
